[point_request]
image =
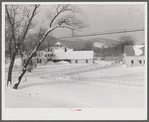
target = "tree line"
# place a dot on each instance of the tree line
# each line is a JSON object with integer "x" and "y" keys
{"x": 113, "y": 50}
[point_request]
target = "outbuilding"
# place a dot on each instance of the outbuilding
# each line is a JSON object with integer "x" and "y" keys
{"x": 134, "y": 55}
{"x": 82, "y": 57}
{"x": 75, "y": 57}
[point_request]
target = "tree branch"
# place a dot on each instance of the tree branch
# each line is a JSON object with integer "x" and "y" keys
{"x": 29, "y": 22}
{"x": 11, "y": 23}
{"x": 63, "y": 9}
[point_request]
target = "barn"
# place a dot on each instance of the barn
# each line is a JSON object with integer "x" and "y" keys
{"x": 75, "y": 57}
{"x": 82, "y": 57}
{"x": 134, "y": 55}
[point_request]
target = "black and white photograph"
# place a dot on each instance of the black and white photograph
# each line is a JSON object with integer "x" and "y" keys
{"x": 74, "y": 60}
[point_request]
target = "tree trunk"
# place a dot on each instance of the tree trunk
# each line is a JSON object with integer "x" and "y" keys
{"x": 11, "y": 67}
{"x": 10, "y": 50}
{"x": 19, "y": 78}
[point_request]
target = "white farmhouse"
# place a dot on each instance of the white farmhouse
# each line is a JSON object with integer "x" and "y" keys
{"x": 134, "y": 55}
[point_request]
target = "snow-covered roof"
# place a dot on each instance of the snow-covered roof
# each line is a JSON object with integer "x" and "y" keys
{"x": 58, "y": 43}
{"x": 75, "y": 55}
{"x": 134, "y": 50}
{"x": 82, "y": 55}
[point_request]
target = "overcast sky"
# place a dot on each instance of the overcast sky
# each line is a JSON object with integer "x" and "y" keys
{"x": 106, "y": 17}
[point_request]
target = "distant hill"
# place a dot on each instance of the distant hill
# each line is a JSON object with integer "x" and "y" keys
{"x": 78, "y": 43}
{"x": 107, "y": 42}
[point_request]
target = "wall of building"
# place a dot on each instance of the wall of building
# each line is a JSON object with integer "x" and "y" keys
{"x": 48, "y": 55}
{"x": 81, "y": 61}
{"x": 131, "y": 61}
{"x": 41, "y": 61}
{"x": 18, "y": 63}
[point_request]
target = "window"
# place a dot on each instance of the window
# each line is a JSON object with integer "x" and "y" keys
{"x": 40, "y": 61}
{"x": 45, "y": 55}
{"x": 48, "y": 55}
{"x": 86, "y": 61}
{"x": 144, "y": 61}
{"x": 140, "y": 61}
{"x": 76, "y": 61}
{"x": 132, "y": 61}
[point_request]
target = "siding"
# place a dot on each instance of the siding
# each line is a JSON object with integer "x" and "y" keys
{"x": 136, "y": 61}
{"x": 82, "y": 61}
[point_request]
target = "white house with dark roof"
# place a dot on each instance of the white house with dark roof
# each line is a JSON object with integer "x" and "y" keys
{"x": 74, "y": 57}
{"x": 134, "y": 55}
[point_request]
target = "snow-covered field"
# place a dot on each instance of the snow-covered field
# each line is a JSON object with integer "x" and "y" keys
{"x": 51, "y": 86}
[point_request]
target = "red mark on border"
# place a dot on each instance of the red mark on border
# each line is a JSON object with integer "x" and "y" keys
{"x": 74, "y": 109}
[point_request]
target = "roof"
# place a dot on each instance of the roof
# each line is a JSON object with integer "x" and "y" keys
{"x": 75, "y": 55}
{"x": 112, "y": 58}
{"x": 134, "y": 50}
{"x": 58, "y": 48}
{"x": 82, "y": 55}
{"x": 58, "y": 43}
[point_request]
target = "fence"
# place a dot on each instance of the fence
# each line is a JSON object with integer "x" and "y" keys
{"x": 88, "y": 69}
{"x": 93, "y": 69}
{"x": 123, "y": 83}
{"x": 83, "y": 70}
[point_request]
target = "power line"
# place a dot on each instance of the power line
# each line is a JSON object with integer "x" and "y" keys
{"x": 108, "y": 32}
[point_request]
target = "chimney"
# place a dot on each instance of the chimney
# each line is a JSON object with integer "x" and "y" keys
{"x": 65, "y": 49}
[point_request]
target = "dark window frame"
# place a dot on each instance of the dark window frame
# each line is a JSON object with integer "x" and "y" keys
{"x": 132, "y": 61}
{"x": 86, "y": 61}
{"x": 140, "y": 61}
{"x": 76, "y": 61}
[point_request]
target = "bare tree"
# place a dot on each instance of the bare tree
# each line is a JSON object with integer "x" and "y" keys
{"x": 19, "y": 21}
{"x": 127, "y": 40}
{"x": 124, "y": 40}
{"x": 63, "y": 18}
